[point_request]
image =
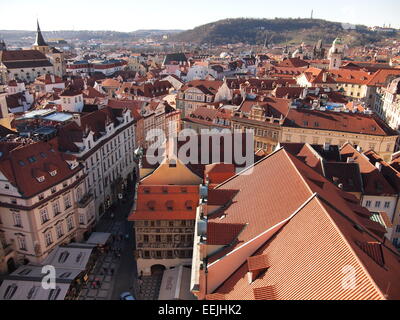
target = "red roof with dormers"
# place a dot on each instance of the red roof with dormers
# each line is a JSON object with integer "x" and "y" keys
{"x": 24, "y": 164}
{"x": 166, "y": 203}
{"x": 306, "y": 259}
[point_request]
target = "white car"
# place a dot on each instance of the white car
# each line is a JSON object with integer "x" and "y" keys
{"x": 126, "y": 296}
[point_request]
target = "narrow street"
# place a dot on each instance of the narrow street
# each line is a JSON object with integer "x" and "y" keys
{"x": 123, "y": 277}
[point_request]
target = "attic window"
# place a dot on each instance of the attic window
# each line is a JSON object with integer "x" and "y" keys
{"x": 170, "y": 205}
{"x": 151, "y": 205}
{"x": 43, "y": 155}
{"x": 53, "y": 173}
{"x": 189, "y": 205}
{"x": 40, "y": 179}
{"x": 21, "y": 163}
{"x": 32, "y": 159}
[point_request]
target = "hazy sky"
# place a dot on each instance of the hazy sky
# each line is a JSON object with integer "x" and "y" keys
{"x": 130, "y": 15}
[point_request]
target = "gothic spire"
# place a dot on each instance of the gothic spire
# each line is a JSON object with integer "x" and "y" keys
{"x": 39, "y": 37}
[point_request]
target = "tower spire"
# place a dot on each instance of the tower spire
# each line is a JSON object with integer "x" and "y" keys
{"x": 39, "y": 37}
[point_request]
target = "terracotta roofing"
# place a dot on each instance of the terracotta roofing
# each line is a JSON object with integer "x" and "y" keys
{"x": 70, "y": 92}
{"x": 293, "y": 63}
{"x": 373, "y": 180}
{"x": 27, "y": 64}
{"x": 223, "y": 233}
{"x": 26, "y": 163}
{"x": 209, "y": 87}
{"x": 167, "y": 203}
{"x": 323, "y": 238}
{"x": 49, "y": 79}
{"x": 21, "y": 55}
{"x": 338, "y": 121}
{"x": 381, "y": 77}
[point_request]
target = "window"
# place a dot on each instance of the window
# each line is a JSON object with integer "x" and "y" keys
{"x": 17, "y": 220}
{"x": 56, "y": 208}
{"x": 377, "y": 204}
{"x": 70, "y": 223}
{"x": 41, "y": 196}
{"x": 44, "y": 215}
{"x": 398, "y": 228}
{"x": 48, "y": 238}
{"x": 53, "y": 173}
{"x": 21, "y": 243}
{"x": 81, "y": 219}
{"x": 146, "y": 238}
{"x": 59, "y": 231}
{"x": 54, "y": 190}
{"x": 67, "y": 202}
{"x": 387, "y": 204}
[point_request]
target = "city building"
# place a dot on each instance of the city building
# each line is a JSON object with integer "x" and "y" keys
{"x": 44, "y": 200}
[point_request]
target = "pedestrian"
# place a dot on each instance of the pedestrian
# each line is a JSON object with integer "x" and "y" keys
{"x": 112, "y": 271}
{"x": 98, "y": 283}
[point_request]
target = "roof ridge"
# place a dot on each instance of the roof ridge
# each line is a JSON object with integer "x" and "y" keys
{"x": 248, "y": 168}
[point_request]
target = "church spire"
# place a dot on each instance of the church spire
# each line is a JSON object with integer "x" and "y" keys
{"x": 39, "y": 37}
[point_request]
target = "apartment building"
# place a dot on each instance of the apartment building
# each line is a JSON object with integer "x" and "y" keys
{"x": 276, "y": 120}
{"x": 104, "y": 142}
{"x": 164, "y": 215}
{"x": 44, "y": 200}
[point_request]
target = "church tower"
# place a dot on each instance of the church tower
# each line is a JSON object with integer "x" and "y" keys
{"x": 40, "y": 44}
{"x": 336, "y": 54}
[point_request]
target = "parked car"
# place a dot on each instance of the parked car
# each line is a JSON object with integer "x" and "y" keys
{"x": 126, "y": 296}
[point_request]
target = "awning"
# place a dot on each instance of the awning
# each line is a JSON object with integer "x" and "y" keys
{"x": 99, "y": 238}
{"x": 175, "y": 284}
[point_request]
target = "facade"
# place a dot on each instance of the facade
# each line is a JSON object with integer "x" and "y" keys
{"x": 389, "y": 106}
{"x": 164, "y": 216}
{"x": 196, "y": 94}
{"x": 25, "y": 65}
{"x": 104, "y": 142}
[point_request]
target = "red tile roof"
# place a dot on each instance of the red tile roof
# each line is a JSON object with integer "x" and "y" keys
{"x": 313, "y": 252}
{"x": 25, "y": 163}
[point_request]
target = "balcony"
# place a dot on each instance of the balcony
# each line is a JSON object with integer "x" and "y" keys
{"x": 85, "y": 201}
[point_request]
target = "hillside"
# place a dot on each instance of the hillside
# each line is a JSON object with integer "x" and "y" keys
{"x": 255, "y": 31}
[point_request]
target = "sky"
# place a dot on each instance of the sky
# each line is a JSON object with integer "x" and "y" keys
{"x": 131, "y": 15}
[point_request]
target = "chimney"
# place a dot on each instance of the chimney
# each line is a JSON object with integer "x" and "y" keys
{"x": 53, "y": 79}
{"x": 324, "y": 76}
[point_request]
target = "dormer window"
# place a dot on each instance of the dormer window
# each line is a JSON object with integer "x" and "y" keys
{"x": 53, "y": 173}
{"x": 40, "y": 179}
{"x": 151, "y": 205}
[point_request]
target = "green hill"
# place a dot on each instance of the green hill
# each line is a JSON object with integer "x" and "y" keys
{"x": 255, "y": 31}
